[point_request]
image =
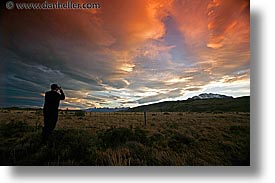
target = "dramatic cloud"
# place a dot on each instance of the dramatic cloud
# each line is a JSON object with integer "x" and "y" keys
{"x": 126, "y": 53}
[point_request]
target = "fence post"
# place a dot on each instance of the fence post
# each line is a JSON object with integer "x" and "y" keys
{"x": 144, "y": 118}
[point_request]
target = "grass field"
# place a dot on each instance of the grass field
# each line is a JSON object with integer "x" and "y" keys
{"x": 122, "y": 138}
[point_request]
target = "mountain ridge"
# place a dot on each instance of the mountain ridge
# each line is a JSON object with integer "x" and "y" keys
{"x": 208, "y": 96}
{"x": 227, "y": 104}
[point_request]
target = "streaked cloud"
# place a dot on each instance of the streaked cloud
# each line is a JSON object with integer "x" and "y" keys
{"x": 127, "y": 53}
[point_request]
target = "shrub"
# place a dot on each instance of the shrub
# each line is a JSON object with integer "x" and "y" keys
{"x": 14, "y": 129}
{"x": 138, "y": 153}
{"x": 116, "y": 137}
{"x": 79, "y": 113}
{"x": 157, "y": 140}
{"x": 239, "y": 130}
{"x": 65, "y": 147}
{"x": 114, "y": 157}
{"x": 140, "y": 136}
{"x": 179, "y": 141}
{"x": 39, "y": 112}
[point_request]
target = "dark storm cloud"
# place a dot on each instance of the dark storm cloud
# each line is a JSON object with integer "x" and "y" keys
{"x": 143, "y": 51}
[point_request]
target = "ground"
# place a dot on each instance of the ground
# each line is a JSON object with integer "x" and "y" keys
{"x": 122, "y": 138}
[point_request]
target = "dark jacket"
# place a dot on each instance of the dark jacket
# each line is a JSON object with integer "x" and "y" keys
{"x": 52, "y": 99}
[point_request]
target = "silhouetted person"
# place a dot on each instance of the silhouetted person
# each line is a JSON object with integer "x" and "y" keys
{"x": 50, "y": 110}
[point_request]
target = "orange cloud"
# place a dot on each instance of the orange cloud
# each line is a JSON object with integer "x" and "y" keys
{"x": 131, "y": 22}
{"x": 215, "y": 32}
{"x": 224, "y": 19}
{"x": 124, "y": 46}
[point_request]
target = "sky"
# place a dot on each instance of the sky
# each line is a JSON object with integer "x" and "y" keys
{"x": 125, "y": 54}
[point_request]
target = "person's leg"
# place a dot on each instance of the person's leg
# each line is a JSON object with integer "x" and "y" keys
{"x": 54, "y": 119}
{"x": 50, "y": 120}
{"x": 47, "y": 128}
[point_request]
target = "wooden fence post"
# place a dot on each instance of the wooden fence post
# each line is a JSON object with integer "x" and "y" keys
{"x": 144, "y": 118}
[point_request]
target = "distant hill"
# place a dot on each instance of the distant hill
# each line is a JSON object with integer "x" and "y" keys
{"x": 224, "y": 104}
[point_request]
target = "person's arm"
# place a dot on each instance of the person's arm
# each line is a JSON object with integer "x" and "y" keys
{"x": 62, "y": 95}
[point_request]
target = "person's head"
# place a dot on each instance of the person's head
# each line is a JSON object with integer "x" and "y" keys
{"x": 54, "y": 87}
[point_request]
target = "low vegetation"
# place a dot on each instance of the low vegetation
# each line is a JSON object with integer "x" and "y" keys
{"x": 121, "y": 139}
